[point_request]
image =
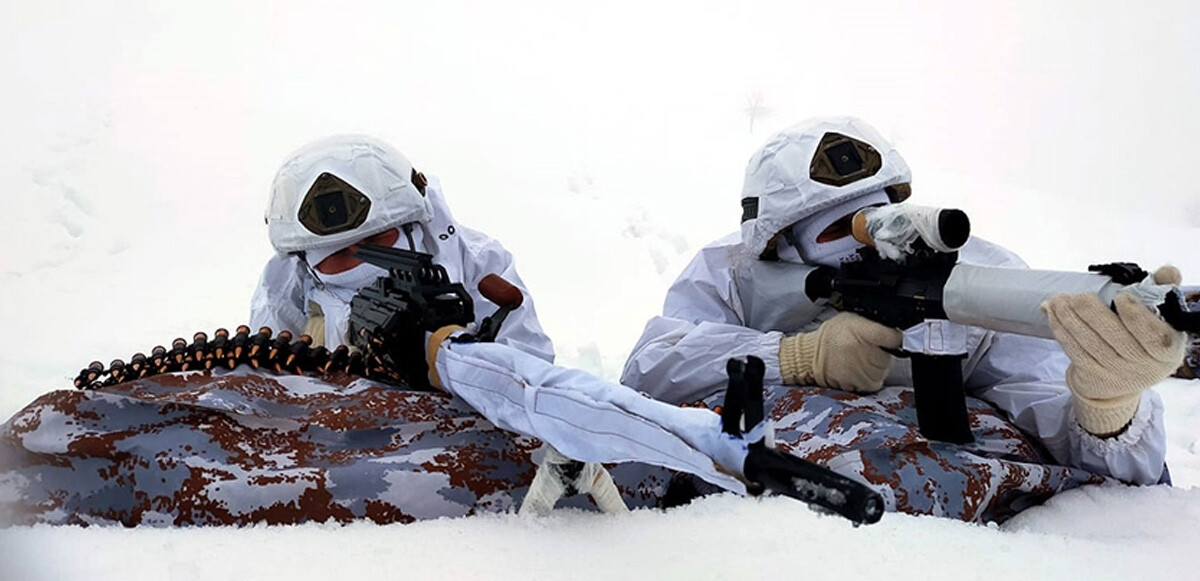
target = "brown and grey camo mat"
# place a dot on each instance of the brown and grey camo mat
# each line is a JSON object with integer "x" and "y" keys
{"x": 241, "y": 447}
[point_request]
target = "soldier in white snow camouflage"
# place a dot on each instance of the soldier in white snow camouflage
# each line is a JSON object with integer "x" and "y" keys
{"x": 1038, "y": 428}
{"x": 243, "y": 446}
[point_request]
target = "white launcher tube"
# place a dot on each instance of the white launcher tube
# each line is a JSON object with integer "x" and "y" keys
{"x": 1000, "y": 299}
{"x": 1010, "y": 299}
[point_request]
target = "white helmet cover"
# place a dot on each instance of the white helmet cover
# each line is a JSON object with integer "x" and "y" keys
{"x": 370, "y": 166}
{"x": 779, "y": 189}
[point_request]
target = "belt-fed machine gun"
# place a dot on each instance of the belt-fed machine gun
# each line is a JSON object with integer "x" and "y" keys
{"x": 390, "y": 317}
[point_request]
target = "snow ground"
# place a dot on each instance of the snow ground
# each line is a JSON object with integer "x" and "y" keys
{"x": 717, "y": 538}
{"x": 603, "y": 144}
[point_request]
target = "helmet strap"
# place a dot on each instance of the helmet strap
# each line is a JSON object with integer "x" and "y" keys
{"x": 311, "y": 271}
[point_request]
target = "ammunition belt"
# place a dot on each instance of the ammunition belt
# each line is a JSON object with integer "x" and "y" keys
{"x": 278, "y": 354}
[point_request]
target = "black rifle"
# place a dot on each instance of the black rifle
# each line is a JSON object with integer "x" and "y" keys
{"x": 389, "y": 318}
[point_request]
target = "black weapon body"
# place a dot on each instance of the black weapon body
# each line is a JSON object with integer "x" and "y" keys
{"x": 902, "y": 296}
{"x": 389, "y": 318}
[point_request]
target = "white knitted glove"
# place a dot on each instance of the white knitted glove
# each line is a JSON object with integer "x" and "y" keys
{"x": 1114, "y": 356}
{"x": 845, "y": 353}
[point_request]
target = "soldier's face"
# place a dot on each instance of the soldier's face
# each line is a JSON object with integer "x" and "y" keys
{"x": 344, "y": 259}
{"x": 841, "y": 228}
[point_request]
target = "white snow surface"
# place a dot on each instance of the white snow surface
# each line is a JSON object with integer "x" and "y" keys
{"x": 603, "y": 143}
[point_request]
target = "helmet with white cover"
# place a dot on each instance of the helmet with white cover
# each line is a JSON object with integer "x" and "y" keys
{"x": 338, "y": 190}
{"x": 817, "y": 170}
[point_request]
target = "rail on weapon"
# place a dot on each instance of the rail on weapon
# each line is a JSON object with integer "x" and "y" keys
{"x": 417, "y": 293}
{"x": 389, "y": 318}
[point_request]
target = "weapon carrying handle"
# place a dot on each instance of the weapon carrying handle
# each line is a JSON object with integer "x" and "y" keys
{"x": 1124, "y": 273}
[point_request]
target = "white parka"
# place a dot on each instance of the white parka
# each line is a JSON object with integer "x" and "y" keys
{"x": 728, "y": 303}
{"x": 281, "y": 299}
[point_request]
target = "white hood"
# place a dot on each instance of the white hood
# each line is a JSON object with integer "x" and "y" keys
{"x": 777, "y": 177}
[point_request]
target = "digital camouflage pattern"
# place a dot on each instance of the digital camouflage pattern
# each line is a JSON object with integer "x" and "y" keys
{"x": 876, "y": 438}
{"x": 241, "y": 447}
{"x": 235, "y": 448}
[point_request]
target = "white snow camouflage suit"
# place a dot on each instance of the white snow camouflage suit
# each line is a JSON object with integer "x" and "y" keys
{"x": 729, "y": 303}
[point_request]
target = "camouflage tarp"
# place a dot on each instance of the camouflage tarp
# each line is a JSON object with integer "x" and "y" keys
{"x": 876, "y": 438}
{"x": 240, "y": 447}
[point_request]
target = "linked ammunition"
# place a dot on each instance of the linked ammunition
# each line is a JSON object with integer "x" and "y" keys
{"x": 198, "y": 355}
{"x": 89, "y": 374}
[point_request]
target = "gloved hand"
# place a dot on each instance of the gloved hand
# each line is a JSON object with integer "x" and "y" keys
{"x": 433, "y": 343}
{"x": 1114, "y": 356}
{"x": 845, "y": 353}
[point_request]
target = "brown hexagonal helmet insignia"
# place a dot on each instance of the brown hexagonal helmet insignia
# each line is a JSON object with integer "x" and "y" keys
{"x": 332, "y": 206}
{"x": 842, "y": 160}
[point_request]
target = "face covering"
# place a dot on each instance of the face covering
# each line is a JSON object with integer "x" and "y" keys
{"x": 355, "y": 278}
{"x": 335, "y": 291}
{"x": 334, "y": 298}
{"x": 833, "y": 252}
{"x": 363, "y": 274}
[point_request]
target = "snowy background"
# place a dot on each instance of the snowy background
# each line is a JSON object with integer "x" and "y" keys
{"x": 604, "y": 144}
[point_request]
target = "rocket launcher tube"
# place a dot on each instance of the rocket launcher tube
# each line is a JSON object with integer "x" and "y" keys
{"x": 996, "y": 298}
{"x": 1010, "y": 299}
